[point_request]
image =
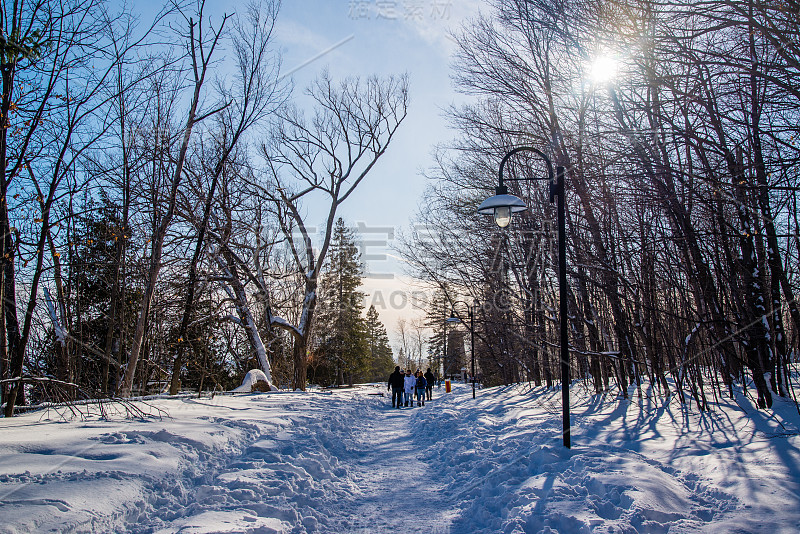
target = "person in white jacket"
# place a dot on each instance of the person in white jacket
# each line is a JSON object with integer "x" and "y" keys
{"x": 410, "y": 382}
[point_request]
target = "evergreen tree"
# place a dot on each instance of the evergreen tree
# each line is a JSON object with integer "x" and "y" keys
{"x": 341, "y": 350}
{"x": 435, "y": 319}
{"x": 380, "y": 353}
{"x": 87, "y": 274}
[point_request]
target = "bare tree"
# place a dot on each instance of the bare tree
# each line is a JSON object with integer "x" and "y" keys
{"x": 257, "y": 91}
{"x": 404, "y": 341}
{"x": 677, "y": 186}
{"x": 325, "y": 157}
{"x": 200, "y": 50}
{"x": 418, "y": 341}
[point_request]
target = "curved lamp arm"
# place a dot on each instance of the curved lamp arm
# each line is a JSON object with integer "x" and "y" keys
{"x": 526, "y": 149}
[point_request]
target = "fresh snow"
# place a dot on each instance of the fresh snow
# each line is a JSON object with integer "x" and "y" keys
{"x": 345, "y": 461}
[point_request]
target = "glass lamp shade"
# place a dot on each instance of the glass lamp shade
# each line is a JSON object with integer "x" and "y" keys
{"x": 502, "y": 216}
{"x": 502, "y": 207}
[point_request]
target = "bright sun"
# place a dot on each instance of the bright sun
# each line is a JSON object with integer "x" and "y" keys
{"x": 603, "y": 68}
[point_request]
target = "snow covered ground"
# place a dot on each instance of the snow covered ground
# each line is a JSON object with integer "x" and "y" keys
{"x": 347, "y": 462}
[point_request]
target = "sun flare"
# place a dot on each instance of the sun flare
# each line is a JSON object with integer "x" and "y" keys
{"x": 603, "y": 68}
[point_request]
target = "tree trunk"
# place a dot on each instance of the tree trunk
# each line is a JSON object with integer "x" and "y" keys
{"x": 300, "y": 363}
{"x": 17, "y": 394}
{"x": 113, "y": 312}
{"x": 191, "y": 283}
{"x": 300, "y": 352}
{"x": 246, "y": 317}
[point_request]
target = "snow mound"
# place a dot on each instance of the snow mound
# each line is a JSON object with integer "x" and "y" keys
{"x": 251, "y": 382}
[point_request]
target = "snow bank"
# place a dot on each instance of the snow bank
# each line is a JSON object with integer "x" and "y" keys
{"x": 644, "y": 465}
{"x": 227, "y": 464}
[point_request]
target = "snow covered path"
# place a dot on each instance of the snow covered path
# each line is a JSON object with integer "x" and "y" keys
{"x": 397, "y": 489}
{"x": 346, "y": 462}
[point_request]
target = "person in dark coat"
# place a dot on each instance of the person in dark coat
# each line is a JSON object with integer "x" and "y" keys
{"x": 429, "y": 379}
{"x": 396, "y": 382}
{"x": 421, "y": 386}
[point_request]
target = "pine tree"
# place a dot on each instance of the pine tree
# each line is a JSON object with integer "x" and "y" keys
{"x": 341, "y": 337}
{"x": 438, "y": 312}
{"x": 380, "y": 353}
{"x": 88, "y": 277}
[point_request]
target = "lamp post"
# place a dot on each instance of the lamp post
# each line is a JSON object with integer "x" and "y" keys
{"x": 444, "y": 355}
{"x": 454, "y": 319}
{"x": 472, "y": 342}
{"x": 502, "y": 206}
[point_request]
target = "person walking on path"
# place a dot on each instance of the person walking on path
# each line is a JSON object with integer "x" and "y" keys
{"x": 396, "y": 383}
{"x": 410, "y": 383}
{"x": 421, "y": 387}
{"x": 429, "y": 380}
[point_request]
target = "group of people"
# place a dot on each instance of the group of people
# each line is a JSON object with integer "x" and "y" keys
{"x": 404, "y": 385}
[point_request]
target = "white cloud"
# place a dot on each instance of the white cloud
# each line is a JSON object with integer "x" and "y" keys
{"x": 439, "y": 18}
{"x": 290, "y": 32}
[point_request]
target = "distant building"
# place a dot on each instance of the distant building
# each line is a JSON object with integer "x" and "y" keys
{"x": 456, "y": 356}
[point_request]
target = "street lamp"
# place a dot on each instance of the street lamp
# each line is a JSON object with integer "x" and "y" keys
{"x": 444, "y": 356}
{"x": 502, "y": 206}
{"x": 454, "y": 319}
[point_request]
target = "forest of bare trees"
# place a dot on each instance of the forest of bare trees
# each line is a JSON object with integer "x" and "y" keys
{"x": 156, "y": 179}
{"x": 152, "y": 201}
{"x": 681, "y": 185}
